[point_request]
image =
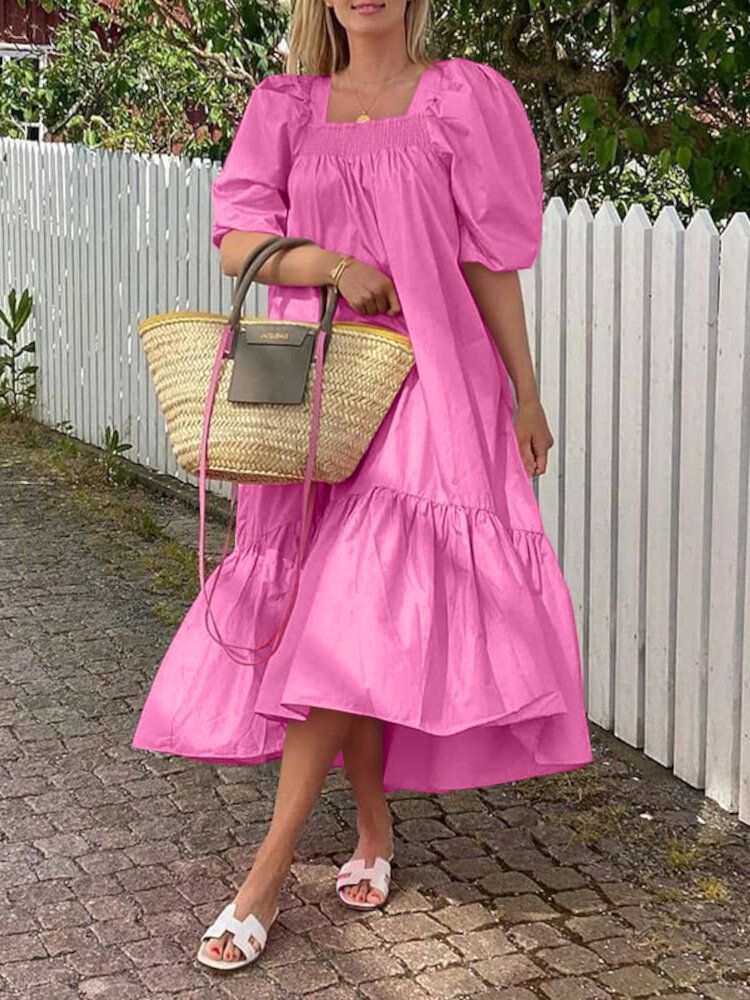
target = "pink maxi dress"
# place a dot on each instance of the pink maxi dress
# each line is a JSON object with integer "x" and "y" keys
{"x": 430, "y": 596}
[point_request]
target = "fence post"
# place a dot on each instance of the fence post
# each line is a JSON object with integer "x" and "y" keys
{"x": 605, "y": 346}
{"x": 663, "y": 479}
{"x": 696, "y": 468}
{"x": 726, "y": 636}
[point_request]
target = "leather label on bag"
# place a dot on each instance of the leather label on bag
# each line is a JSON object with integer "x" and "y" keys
{"x": 271, "y": 364}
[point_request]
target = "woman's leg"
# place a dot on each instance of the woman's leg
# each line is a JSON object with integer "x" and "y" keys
{"x": 363, "y": 760}
{"x": 309, "y": 750}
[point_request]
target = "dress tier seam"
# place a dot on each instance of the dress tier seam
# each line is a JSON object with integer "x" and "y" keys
{"x": 366, "y": 494}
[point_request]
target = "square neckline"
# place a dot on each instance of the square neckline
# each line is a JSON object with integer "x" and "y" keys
{"x": 325, "y": 94}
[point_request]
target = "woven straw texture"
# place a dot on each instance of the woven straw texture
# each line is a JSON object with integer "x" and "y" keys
{"x": 364, "y": 368}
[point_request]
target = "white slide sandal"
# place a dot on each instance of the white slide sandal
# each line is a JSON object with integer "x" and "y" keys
{"x": 242, "y": 931}
{"x": 355, "y": 871}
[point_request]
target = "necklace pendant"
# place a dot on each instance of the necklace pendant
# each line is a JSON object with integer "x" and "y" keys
{"x": 364, "y": 117}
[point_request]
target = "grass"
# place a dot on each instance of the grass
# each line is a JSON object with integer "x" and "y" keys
{"x": 680, "y": 853}
{"x": 712, "y": 888}
{"x": 596, "y": 823}
{"x": 120, "y": 514}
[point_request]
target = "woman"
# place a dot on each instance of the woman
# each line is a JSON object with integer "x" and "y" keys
{"x": 432, "y": 645}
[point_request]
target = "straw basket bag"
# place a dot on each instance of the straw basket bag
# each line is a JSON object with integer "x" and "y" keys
{"x": 246, "y": 400}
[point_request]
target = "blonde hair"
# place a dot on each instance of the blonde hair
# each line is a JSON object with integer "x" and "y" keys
{"x": 318, "y": 43}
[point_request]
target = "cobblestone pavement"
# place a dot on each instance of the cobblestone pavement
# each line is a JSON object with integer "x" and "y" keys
{"x": 616, "y": 880}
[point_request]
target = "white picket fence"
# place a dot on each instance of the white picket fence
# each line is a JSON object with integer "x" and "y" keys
{"x": 640, "y": 335}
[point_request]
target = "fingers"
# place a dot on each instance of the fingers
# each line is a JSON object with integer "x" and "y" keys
{"x": 540, "y": 450}
{"x": 527, "y": 456}
{"x": 373, "y": 292}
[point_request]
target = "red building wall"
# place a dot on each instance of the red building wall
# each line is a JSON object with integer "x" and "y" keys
{"x": 29, "y": 24}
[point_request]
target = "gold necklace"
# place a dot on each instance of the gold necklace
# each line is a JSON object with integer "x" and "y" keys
{"x": 364, "y": 116}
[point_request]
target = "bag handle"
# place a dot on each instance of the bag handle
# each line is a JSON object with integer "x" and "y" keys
{"x": 225, "y": 349}
{"x": 257, "y": 257}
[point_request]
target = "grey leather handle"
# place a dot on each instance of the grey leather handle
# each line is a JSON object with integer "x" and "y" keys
{"x": 329, "y": 294}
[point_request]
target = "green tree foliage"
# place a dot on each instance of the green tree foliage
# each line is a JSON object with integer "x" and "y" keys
{"x": 643, "y": 100}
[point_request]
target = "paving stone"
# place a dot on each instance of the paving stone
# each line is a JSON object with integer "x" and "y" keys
{"x": 734, "y": 960}
{"x": 22, "y": 948}
{"x": 456, "y": 893}
{"x": 536, "y": 935}
{"x": 623, "y": 951}
{"x": 623, "y": 893}
{"x": 419, "y": 955}
{"x": 686, "y": 970}
{"x": 337, "y": 993}
{"x": 591, "y": 928}
{"x": 63, "y": 914}
{"x": 357, "y": 967}
{"x": 725, "y": 991}
{"x": 110, "y": 988}
{"x": 445, "y": 984}
{"x": 458, "y": 847}
{"x": 519, "y": 909}
{"x": 407, "y": 901}
{"x": 572, "y": 989}
{"x": 466, "y": 869}
{"x": 350, "y": 937}
{"x": 302, "y": 919}
{"x": 301, "y": 978}
{"x": 409, "y": 927}
{"x": 514, "y": 993}
{"x": 466, "y": 918}
{"x": 508, "y": 970}
{"x": 393, "y": 989}
{"x": 64, "y": 845}
{"x": 38, "y": 975}
{"x": 506, "y": 883}
{"x": 96, "y": 960}
{"x": 571, "y": 959}
{"x": 560, "y": 878}
{"x": 580, "y": 901}
{"x": 482, "y": 944}
{"x": 423, "y": 829}
{"x": 634, "y": 981}
{"x": 520, "y": 816}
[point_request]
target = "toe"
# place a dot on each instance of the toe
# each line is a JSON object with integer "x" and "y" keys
{"x": 215, "y": 947}
{"x": 375, "y": 896}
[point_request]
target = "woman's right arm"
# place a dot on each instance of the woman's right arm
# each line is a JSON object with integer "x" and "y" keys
{"x": 365, "y": 288}
{"x": 304, "y": 265}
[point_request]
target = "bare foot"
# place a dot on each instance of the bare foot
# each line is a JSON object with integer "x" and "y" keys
{"x": 258, "y": 895}
{"x": 375, "y": 843}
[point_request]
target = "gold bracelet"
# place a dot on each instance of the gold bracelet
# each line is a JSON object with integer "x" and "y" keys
{"x": 338, "y": 270}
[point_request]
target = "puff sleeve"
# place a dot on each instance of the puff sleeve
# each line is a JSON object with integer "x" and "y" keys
{"x": 249, "y": 192}
{"x": 495, "y": 171}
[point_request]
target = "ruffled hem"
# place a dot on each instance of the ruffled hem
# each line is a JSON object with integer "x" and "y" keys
{"x": 453, "y": 629}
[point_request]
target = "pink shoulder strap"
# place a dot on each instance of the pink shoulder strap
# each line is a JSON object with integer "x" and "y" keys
{"x": 308, "y": 497}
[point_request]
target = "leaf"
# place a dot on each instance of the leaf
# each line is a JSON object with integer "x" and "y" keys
{"x": 636, "y": 138}
{"x": 633, "y": 57}
{"x": 702, "y": 173}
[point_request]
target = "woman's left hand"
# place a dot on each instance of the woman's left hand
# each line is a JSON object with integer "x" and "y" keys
{"x": 534, "y": 436}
